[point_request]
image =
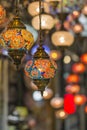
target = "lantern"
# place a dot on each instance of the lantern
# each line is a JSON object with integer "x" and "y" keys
{"x": 84, "y": 58}
{"x": 72, "y": 78}
{"x": 62, "y": 38}
{"x": 79, "y": 99}
{"x": 76, "y": 14}
{"x": 40, "y": 69}
{"x": 47, "y": 22}
{"x": 77, "y": 28}
{"x": 61, "y": 114}
{"x": 69, "y": 105}
{"x": 33, "y": 8}
{"x": 56, "y": 102}
{"x": 55, "y": 55}
{"x": 17, "y": 39}
{"x": 72, "y": 88}
{"x": 48, "y": 93}
{"x": 78, "y": 67}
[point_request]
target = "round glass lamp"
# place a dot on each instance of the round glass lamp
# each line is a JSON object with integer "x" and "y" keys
{"x": 33, "y": 8}
{"x": 79, "y": 99}
{"x": 72, "y": 88}
{"x": 84, "y": 58}
{"x": 76, "y": 14}
{"x": 2, "y": 15}
{"x": 62, "y": 38}
{"x": 72, "y": 78}
{"x": 56, "y": 102}
{"x": 47, "y": 22}
{"x": 77, "y": 28}
{"x": 61, "y": 114}
{"x": 40, "y": 69}
{"x": 55, "y": 55}
{"x": 78, "y": 68}
{"x": 48, "y": 93}
{"x": 17, "y": 39}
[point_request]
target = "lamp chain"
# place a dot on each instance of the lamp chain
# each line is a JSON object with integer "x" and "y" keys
{"x": 17, "y": 10}
{"x": 40, "y": 31}
{"x": 62, "y": 14}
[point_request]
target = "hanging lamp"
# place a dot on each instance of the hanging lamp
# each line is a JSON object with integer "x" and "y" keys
{"x": 16, "y": 38}
{"x": 62, "y": 38}
{"x": 41, "y": 68}
{"x": 33, "y": 7}
{"x": 47, "y": 20}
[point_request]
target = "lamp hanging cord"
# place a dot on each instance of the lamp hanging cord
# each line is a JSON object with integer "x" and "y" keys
{"x": 40, "y": 32}
{"x": 17, "y": 10}
{"x": 62, "y": 14}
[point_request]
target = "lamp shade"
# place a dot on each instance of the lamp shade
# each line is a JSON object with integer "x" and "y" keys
{"x": 62, "y": 38}
{"x": 55, "y": 55}
{"x": 72, "y": 78}
{"x": 41, "y": 68}
{"x": 77, "y": 28}
{"x": 84, "y": 58}
{"x": 33, "y": 8}
{"x": 79, "y": 99}
{"x": 69, "y": 105}
{"x": 17, "y": 39}
{"x": 76, "y": 14}
{"x": 78, "y": 68}
{"x": 61, "y": 114}
{"x": 47, "y": 22}
{"x": 16, "y": 36}
{"x": 72, "y": 88}
{"x": 48, "y": 93}
{"x": 56, "y": 102}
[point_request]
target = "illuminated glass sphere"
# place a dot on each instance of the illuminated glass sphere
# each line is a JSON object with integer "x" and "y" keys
{"x": 84, "y": 58}
{"x": 33, "y": 8}
{"x": 16, "y": 36}
{"x": 72, "y": 88}
{"x": 62, "y": 38}
{"x": 2, "y": 15}
{"x": 48, "y": 93}
{"x": 72, "y": 78}
{"x": 84, "y": 10}
{"x": 56, "y": 102}
{"x": 17, "y": 39}
{"x": 76, "y": 14}
{"x": 78, "y": 67}
{"x": 79, "y": 99}
{"x": 55, "y": 55}
{"x": 47, "y": 22}
{"x": 41, "y": 68}
{"x": 69, "y": 104}
{"x": 77, "y": 28}
{"x": 61, "y": 114}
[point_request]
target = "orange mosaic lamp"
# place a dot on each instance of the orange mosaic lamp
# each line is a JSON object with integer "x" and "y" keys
{"x": 41, "y": 69}
{"x": 17, "y": 39}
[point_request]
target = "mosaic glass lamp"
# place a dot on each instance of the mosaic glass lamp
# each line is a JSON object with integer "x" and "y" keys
{"x": 17, "y": 39}
{"x": 41, "y": 68}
